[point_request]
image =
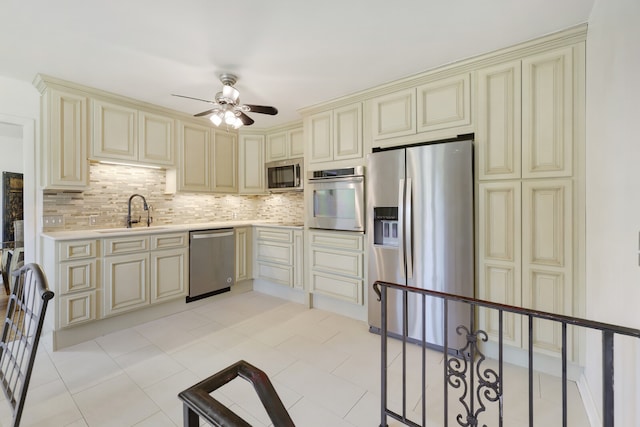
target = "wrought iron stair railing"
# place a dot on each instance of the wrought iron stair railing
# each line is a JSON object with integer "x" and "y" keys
{"x": 482, "y": 386}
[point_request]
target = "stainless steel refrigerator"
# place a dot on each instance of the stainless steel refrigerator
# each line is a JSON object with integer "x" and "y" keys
{"x": 420, "y": 234}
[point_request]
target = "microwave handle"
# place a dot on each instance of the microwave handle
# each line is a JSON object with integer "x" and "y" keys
{"x": 298, "y": 175}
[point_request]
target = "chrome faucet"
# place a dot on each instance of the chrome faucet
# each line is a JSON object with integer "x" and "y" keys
{"x": 145, "y": 206}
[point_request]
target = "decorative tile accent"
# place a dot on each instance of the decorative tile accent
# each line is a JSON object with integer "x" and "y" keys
{"x": 112, "y": 185}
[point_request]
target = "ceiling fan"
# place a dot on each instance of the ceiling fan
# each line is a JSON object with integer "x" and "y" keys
{"x": 227, "y": 107}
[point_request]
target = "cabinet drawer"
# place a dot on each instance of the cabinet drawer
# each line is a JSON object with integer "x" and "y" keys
{"x": 124, "y": 245}
{"x": 338, "y": 262}
{"x": 77, "y": 250}
{"x": 77, "y": 275}
{"x": 343, "y": 288}
{"x": 169, "y": 241}
{"x": 274, "y": 235}
{"x": 275, "y": 252}
{"x": 337, "y": 241}
{"x": 276, "y": 273}
{"x": 77, "y": 308}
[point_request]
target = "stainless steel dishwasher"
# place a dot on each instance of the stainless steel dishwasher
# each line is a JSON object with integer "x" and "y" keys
{"x": 212, "y": 265}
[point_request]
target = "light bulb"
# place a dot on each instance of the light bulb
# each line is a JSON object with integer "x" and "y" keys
{"x": 229, "y": 117}
{"x": 237, "y": 123}
{"x": 216, "y": 119}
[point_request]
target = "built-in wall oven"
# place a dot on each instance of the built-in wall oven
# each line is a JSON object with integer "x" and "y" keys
{"x": 337, "y": 199}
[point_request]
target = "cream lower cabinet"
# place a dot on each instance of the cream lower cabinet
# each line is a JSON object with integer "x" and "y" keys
{"x": 336, "y": 264}
{"x": 169, "y": 261}
{"x": 525, "y": 256}
{"x": 244, "y": 253}
{"x": 143, "y": 270}
{"x": 78, "y": 282}
{"x": 278, "y": 256}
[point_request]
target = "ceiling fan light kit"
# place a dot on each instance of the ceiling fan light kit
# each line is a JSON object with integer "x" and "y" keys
{"x": 227, "y": 108}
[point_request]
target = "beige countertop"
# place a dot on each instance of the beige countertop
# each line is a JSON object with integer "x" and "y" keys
{"x": 156, "y": 229}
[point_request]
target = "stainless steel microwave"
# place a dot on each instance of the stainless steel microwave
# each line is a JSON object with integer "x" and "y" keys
{"x": 337, "y": 199}
{"x": 285, "y": 175}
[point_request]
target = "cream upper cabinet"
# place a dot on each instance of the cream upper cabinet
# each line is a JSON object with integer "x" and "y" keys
{"x": 115, "y": 131}
{"x": 438, "y": 108}
{"x": 394, "y": 115}
{"x": 444, "y": 103}
{"x": 547, "y": 113}
{"x": 195, "y": 150}
{"x": 225, "y": 162}
{"x": 122, "y": 133}
{"x": 336, "y": 134}
{"x": 65, "y": 138}
{"x": 285, "y": 144}
{"x": 498, "y": 137}
{"x": 156, "y": 139}
{"x": 251, "y": 172}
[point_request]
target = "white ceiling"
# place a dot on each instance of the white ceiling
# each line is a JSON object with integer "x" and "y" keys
{"x": 287, "y": 53}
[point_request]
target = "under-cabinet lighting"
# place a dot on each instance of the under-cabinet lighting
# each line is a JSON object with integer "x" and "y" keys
{"x": 107, "y": 162}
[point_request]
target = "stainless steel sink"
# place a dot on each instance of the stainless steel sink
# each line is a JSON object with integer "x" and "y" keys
{"x": 130, "y": 230}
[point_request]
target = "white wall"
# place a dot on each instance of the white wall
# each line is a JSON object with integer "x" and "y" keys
{"x": 20, "y": 105}
{"x": 613, "y": 193}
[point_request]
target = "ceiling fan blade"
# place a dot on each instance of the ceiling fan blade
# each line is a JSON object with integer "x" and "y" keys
{"x": 246, "y": 120}
{"x": 197, "y": 99}
{"x": 263, "y": 109}
{"x": 204, "y": 113}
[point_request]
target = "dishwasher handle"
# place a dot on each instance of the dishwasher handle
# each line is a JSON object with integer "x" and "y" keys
{"x": 212, "y": 235}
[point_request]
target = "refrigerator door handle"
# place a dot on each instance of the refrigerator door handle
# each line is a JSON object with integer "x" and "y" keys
{"x": 401, "y": 228}
{"x": 408, "y": 242}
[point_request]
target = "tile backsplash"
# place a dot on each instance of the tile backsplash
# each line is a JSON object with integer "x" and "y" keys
{"x": 112, "y": 185}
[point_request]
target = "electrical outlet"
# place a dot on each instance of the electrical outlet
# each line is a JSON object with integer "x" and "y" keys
{"x": 53, "y": 220}
{"x": 93, "y": 220}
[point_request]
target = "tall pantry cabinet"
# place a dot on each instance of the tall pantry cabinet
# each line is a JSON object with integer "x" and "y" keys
{"x": 530, "y": 115}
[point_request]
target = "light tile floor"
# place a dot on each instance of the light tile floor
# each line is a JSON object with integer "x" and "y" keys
{"x": 325, "y": 368}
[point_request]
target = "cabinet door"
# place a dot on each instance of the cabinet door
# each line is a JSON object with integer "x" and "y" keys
{"x": 547, "y": 114}
{"x": 125, "y": 283}
{"x": 225, "y": 161}
{"x": 251, "y": 172}
{"x": 243, "y": 254}
{"x": 394, "y": 115}
{"x": 156, "y": 139}
{"x": 347, "y": 132}
{"x": 498, "y": 137}
{"x": 115, "y": 132}
{"x": 65, "y": 122}
{"x": 298, "y": 259}
{"x": 77, "y": 275}
{"x": 277, "y": 147}
{"x": 168, "y": 274}
{"x": 296, "y": 143}
{"x": 499, "y": 255}
{"x": 444, "y": 103}
{"x": 77, "y": 308}
{"x": 320, "y": 137}
{"x": 195, "y": 152}
{"x": 546, "y": 254}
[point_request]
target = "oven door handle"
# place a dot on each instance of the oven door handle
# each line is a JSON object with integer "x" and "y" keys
{"x": 355, "y": 179}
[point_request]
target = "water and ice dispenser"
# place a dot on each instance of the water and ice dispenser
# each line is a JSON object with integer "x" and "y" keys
{"x": 385, "y": 226}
